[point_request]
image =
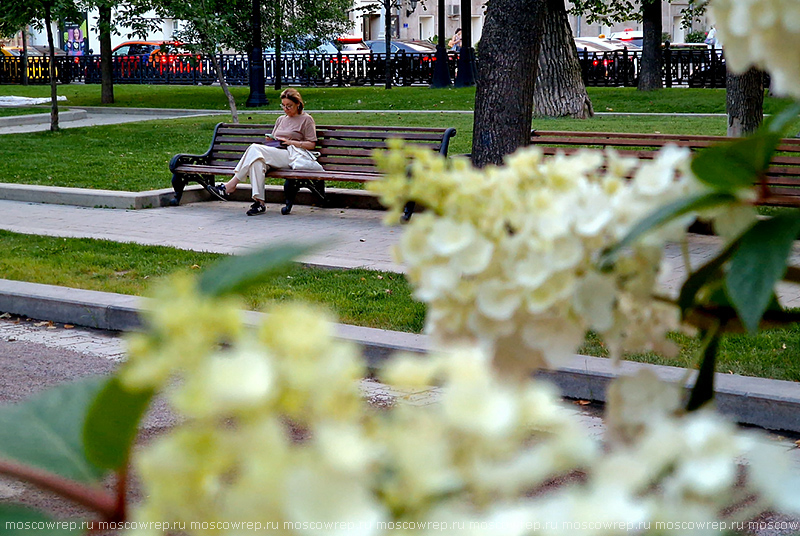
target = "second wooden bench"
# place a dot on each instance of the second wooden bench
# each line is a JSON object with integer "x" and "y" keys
{"x": 781, "y": 187}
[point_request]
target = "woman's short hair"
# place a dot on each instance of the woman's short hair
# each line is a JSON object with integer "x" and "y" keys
{"x": 294, "y": 96}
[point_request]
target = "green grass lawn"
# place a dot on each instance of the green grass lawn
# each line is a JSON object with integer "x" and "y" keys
{"x": 22, "y": 110}
{"x": 135, "y": 156}
{"x": 359, "y": 297}
{"x": 604, "y": 99}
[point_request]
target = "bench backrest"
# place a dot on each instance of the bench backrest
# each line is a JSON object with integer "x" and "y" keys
{"x": 342, "y": 148}
{"x": 783, "y": 176}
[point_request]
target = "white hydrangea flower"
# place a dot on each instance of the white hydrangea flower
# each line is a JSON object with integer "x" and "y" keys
{"x": 506, "y": 254}
{"x": 761, "y": 33}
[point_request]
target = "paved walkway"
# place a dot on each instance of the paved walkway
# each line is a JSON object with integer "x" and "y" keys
{"x": 347, "y": 238}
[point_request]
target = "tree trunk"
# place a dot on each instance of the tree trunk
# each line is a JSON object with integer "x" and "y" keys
{"x": 224, "y": 84}
{"x": 25, "y": 56}
{"x": 506, "y": 78}
{"x": 387, "y": 41}
{"x": 744, "y": 102}
{"x": 650, "y": 68}
{"x": 560, "y": 91}
{"x": 278, "y": 63}
{"x": 52, "y": 66}
{"x": 106, "y": 62}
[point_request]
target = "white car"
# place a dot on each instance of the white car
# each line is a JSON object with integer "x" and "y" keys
{"x": 604, "y": 44}
{"x": 629, "y": 35}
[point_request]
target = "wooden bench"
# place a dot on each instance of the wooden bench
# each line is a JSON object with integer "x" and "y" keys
{"x": 781, "y": 187}
{"x": 345, "y": 155}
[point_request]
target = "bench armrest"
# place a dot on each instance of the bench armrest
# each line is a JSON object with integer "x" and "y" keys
{"x": 449, "y": 133}
{"x": 184, "y": 159}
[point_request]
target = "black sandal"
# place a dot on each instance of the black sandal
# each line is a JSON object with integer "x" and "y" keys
{"x": 256, "y": 209}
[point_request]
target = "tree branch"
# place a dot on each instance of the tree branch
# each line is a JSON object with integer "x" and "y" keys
{"x": 94, "y": 499}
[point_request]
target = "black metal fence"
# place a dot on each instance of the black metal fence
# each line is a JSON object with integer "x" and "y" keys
{"x": 693, "y": 68}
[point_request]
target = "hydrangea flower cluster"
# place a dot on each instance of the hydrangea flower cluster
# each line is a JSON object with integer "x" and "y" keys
{"x": 272, "y": 430}
{"x": 762, "y": 33}
{"x": 506, "y": 256}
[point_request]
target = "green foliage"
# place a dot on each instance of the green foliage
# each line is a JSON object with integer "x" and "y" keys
{"x": 235, "y": 274}
{"x": 45, "y": 431}
{"x": 13, "y": 516}
{"x": 758, "y": 264}
{"x": 112, "y": 422}
{"x": 695, "y": 37}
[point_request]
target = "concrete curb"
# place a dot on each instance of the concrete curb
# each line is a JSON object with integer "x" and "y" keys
{"x": 771, "y": 404}
{"x": 35, "y": 119}
{"x": 84, "y": 197}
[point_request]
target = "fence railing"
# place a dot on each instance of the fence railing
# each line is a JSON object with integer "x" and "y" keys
{"x": 693, "y": 68}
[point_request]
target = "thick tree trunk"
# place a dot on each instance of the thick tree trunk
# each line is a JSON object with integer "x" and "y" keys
{"x": 650, "y": 73}
{"x": 744, "y": 102}
{"x": 106, "y": 66}
{"x": 507, "y": 71}
{"x": 52, "y": 64}
{"x": 560, "y": 91}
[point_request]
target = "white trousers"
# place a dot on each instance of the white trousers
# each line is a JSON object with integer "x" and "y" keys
{"x": 256, "y": 162}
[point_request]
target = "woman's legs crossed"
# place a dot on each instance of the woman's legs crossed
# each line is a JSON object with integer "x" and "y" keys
{"x": 255, "y": 163}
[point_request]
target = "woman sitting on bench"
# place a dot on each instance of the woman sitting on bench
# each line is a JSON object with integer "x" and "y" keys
{"x": 296, "y": 129}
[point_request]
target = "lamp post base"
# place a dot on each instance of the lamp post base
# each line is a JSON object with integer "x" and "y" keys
{"x": 441, "y": 71}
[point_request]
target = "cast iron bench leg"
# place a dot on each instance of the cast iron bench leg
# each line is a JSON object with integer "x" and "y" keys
{"x": 178, "y": 184}
{"x": 290, "y": 189}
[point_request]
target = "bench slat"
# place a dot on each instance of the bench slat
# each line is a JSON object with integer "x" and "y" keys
{"x": 783, "y": 175}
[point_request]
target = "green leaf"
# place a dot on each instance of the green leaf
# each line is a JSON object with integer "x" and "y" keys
{"x": 112, "y": 423}
{"x": 663, "y": 215}
{"x": 703, "y": 390}
{"x": 20, "y": 521}
{"x": 739, "y": 164}
{"x": 779, "y": 123}
{"x": 736, "y": 164}
{"x": 710, "y": 272}
{"x": 235, "y": 274}
{"x": 46, "y": 431}
{"x": 758, "y": 265}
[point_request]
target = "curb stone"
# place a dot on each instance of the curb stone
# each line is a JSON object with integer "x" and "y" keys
{"x": 770, "y": 404}
{"x": 85, "y": 197}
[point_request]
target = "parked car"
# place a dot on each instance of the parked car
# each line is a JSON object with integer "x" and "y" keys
{"x": 319, "y": 60}
{"x": 165, "y": 56}
{"x": 409, "y": 47}
{"x": 605, "y": 44}
{"x": 412, "y": 60}
{"x": 629, "y": 34}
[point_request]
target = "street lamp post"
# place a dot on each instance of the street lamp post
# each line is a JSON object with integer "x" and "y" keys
{"x": 441, "y": 72}
{"x": 257, "y": 95}
{"x": 465, "y": 76}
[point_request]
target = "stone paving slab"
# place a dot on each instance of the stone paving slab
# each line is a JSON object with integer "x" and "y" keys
{"x": 348, "y": 238}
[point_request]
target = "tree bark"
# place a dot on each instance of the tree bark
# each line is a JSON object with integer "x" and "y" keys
{"x": 744, "y": 102}
{"x": 650, "y": 71}
{"x": 48, "y": 19}
{"x": 506, "y": 78}
{"x": 224, "y": 85}
{"x": 106, "y": 62}
{"x": 560, "y": 91}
